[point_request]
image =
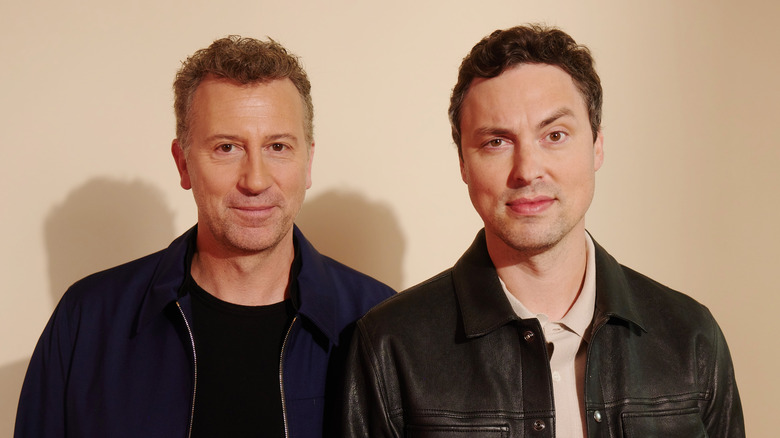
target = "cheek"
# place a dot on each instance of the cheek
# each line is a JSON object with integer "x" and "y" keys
{"x": 298, "y": 177}
{"x": 580, "y": 182}
{"x": 576, "y": 169}
{"x": 212, "y": 182}
{"x": 488, "y": 178}
{"x": 483, "y": 191}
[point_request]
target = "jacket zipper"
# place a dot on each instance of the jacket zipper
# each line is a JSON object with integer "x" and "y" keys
{"x": 194, "y": 367}
{"x": 281, "y": 379}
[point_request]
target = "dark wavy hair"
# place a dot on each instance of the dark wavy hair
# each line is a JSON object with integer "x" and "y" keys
{"x": 243, "y": 60}
{"x": 529, "y": 44}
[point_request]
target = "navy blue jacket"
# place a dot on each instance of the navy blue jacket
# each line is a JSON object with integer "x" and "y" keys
{"x": 117, "y": 358}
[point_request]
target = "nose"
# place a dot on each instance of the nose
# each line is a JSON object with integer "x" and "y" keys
{"x": 255, "y": 176}
{"x": 527, "y": 164}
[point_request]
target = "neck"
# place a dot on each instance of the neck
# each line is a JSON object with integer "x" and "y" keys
{"x": 547, "y": 281}
{"x": 249, "y": 279}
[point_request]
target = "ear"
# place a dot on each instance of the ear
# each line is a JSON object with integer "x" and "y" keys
{"x": 598, "y": 151}
{"x": 181, "y": 164}
{"x": 463, "y": 171}
{"x": 308, "y": 170}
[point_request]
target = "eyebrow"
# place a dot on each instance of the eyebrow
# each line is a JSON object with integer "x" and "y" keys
{"x": 275, "y": 137}
{"x": 284, "y": 136}
{"x": 561, "y": 112}
{"x": 498, "y": 132}
{"x": 555, "y": 116}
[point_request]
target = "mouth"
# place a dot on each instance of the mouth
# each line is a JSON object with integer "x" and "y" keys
{"x": 530, "y": 206}
{"x": 252, "y": 208}
{"x": 254, "y": 213}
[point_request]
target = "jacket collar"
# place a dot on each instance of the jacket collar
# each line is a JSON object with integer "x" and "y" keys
{"x": 168, "y": 276}
{"x": 484, "y": 306}
{"x": 318, "y": 295}
{"x": 614, "y": 295}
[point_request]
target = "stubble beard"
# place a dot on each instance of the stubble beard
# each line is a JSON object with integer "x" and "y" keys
{"x": 247, "y": 239}
{"x": 253, "y": 240}
{"x": 531, "y": 236}
{"x": 531, "y": 239}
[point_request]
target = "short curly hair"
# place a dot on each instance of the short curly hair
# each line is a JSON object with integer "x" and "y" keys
{"x": 243, "y": 60}
{"x": 529, "y": 44}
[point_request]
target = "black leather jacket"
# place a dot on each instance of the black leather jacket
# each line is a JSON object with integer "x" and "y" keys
{"x": 449, "y": 357}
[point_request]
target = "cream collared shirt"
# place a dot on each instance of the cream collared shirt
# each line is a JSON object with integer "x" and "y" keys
{"x": 566, "y": 340}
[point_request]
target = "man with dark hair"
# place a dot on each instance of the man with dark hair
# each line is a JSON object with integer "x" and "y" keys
{"x": 240, "y": 327}
{"x": 537, "y": 331}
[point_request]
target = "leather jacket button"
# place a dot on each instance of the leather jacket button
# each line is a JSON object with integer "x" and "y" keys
{"x": 539, "y": 425}
{"x": 597, "y": 416}
{"x": 528, "y": 336}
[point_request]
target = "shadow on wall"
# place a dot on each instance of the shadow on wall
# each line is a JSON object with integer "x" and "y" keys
{"x": 11, "y": 376}
{"x": 357, "y": 232}
{"x": 102, "y": 224}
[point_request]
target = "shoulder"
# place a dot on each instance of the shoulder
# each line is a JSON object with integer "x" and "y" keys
{"x": 353, "y": 292}
{"x": 130, "y": 271}
{"x": 114, "y": 284}
{"x": 670, "y": 320}
{"x": 102, "y": 304}
{"x": 352, "y": 277}
{"x": 665, "y": 304}
{"x": 416, "y": 306}
{"x": 325, "y": 275}
{"x": 630, "y": 295}
{"x": 165, "y": 267}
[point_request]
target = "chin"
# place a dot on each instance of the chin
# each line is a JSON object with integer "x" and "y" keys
{"x": 529, "y": 244}
{"x": 255, "y": 243}
{"x": 530, "y": 239}
{"x": 249, "y": 239}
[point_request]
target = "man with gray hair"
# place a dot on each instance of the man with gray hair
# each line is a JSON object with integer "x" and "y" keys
{"x": 240, "y": 327}
{"x": 537, "y": 331}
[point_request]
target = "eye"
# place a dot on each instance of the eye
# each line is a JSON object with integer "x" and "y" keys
{"x": 494, "y": 143}
{"x": 278, "y": 147}
{"x": 226, "y": 147}
{"x": 557, "y": 136}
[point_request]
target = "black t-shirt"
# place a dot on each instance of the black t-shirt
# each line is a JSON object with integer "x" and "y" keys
{"x": 238, "y": 357}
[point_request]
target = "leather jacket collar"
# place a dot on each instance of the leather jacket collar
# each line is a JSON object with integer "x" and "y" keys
{"x": 483, "y": 307}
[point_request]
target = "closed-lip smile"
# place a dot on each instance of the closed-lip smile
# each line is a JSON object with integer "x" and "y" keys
{"x": 254, "y": 212}
{"x": 253, "y": 207}
{"x": 530, "y": 206}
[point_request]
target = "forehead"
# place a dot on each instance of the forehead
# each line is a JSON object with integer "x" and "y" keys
{"x": 221, "y": 98}
{"x": 529, "y": 89}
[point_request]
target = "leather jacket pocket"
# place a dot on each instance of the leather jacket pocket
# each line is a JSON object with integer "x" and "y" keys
{"x": 481, "y": 431}
{"x": 663, "y": 424}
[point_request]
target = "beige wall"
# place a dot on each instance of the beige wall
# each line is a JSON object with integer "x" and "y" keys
{"x": 688, "y": 193}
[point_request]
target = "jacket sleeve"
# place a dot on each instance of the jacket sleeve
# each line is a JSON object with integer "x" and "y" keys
{"x": 366, "y": 411}
{"x": 41, "y": 411}
{"x": 723, "y": 417}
